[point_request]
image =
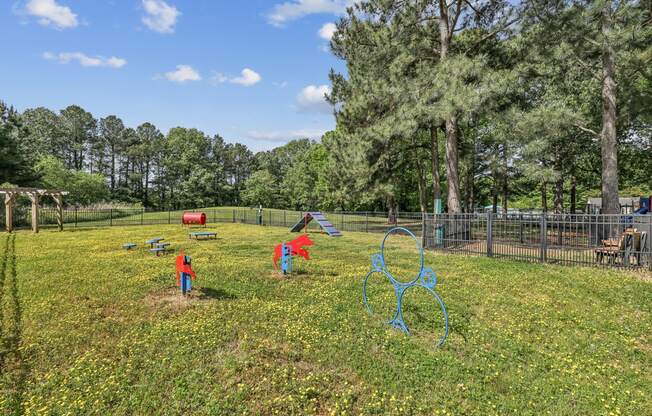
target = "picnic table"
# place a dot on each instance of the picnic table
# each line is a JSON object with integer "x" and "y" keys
{"x": 153, "y": 241}
{"x": 159, "y": 250}
{"x": 203, "y": 235}
{"x": 128, "y": 246}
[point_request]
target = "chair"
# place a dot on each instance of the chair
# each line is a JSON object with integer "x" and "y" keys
{"x": 640, "y": 244}
{"x": 613, "y": 249}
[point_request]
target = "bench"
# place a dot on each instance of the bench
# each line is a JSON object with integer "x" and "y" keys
{"x": 161, "y": 245}
{"x": 203, "y": 235}
{"x": 128, "y": 246}
{"x": 159, "y": 250}
{"x": 612, "y": 250}
{"x": 153, "y": 241}
{"x": 628, "y": 247}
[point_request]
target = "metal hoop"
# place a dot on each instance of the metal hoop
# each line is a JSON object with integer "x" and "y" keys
{"x": 426, "y": 278}
{"x": 396, "y": 230}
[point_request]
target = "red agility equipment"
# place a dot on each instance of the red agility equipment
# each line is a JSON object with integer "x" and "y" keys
{"x": 196, "y": 218}
{"x": 296, "y": 248}
{"x": 182, "y": 267}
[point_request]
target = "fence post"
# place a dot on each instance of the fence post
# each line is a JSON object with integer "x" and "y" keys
{"x": 110, "y": 217}
{"x": 366, "y": 226}
{"x": 543, "y": 256}
{"x": 423, "y": 229}
{"x": 649, "y": 243}
{"x": 75, "y": 216}
{"x": 520, "y": 227}
{"x": 169, "y": 216}
{"x": 234, "y": 215}
{"x": 284, "y": 219}
{"x": 142, "y": 216}
{"x": 490, "y": 234}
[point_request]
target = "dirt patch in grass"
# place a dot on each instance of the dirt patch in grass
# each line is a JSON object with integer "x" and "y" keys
{"x": 278, "y": 275}
{"x": 170, "y": 299}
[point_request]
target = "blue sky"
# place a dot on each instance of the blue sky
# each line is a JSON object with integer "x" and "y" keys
{"x": 253, "y": 71}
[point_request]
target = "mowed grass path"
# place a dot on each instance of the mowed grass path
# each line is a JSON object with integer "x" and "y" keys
{"x": 88, "y": 328}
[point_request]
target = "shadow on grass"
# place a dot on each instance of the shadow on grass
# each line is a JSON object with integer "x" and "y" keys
{"x": 13, "y": 369}
{"x": 210, "y": 293}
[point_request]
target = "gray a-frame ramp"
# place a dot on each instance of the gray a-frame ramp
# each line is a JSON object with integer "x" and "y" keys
{"x": 321, "y": 220}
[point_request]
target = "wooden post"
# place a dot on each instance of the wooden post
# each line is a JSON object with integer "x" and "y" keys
{"x": 34, "y": 197}
{"x": 9, "y": 211}
{"x": 58, "y": 201}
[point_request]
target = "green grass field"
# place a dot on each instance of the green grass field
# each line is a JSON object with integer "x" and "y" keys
{"x": 88, "y": 328}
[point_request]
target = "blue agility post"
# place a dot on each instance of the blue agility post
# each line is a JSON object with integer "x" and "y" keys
{"x": 186, "y": 282}
{"x": 185, "y": 274}
{"x": 426, "y": 278}
{"x": 286, "y": 259}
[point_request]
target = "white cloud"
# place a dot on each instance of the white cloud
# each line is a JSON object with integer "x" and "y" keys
{"x": 51, "y": 13}
{"x": 85, "y": 60}
{"x": 286, "y": 136}
{"x": 327, "y": 31}
{"x": 182, "y": 74}
{"x": 247, "y": 78}
{"x": 161, "y": 17}
{"x": 312, "y": 98}
{"x": 296, "y": 9}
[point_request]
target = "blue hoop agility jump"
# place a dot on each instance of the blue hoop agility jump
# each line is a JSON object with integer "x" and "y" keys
{"x": 425, "y": 278}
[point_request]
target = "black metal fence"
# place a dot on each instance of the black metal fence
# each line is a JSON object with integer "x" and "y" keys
{"x": 620, "y": 241}
{"x": 344, "y": 221}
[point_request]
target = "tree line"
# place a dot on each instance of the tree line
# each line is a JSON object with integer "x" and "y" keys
{"x": 494, "y": 101}
{"x": 444, "y": 105}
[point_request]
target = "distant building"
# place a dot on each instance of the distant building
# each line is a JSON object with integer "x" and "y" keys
{"x": 627, "y": 205}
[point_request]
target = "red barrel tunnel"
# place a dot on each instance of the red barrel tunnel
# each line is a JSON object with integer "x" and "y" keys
{"x": 193, "y": 218}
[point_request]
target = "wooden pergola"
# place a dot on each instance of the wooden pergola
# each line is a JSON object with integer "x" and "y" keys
{"x": 34, "y": 194}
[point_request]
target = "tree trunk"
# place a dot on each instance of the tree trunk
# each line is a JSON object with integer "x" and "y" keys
{"x": 559, "y": 195}
{"x": 505, "y": 179}
{"x": 146, "y": 199}
{"x": 112, "y": 167}
{"x": 391, "y": 208}
{"x": 505, "y": 193}
{"x": 469, "y": 182}
{"x": 453, "y": 199}
{"x": 544, "y": 196}
{"x": 421, "y": 183}
{"x": 610, "y": 204}
{"x": 452, "y": 168}
{"x": 436, "y": 186}
{"x": 573, "y": 195}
